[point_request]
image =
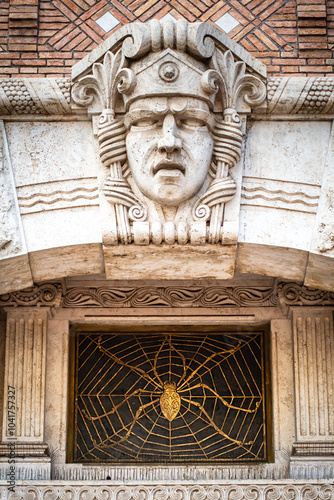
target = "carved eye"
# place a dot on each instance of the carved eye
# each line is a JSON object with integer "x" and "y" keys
{"x": 192, "y": 122}
{"x": 145, "y": 122}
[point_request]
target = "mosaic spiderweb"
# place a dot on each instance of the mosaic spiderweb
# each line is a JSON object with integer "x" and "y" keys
{"x": 169, "y": 398}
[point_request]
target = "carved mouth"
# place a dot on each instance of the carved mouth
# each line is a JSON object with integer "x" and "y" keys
{"x": 168, "y": 165}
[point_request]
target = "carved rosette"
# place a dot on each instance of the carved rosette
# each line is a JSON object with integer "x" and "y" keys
{"x": 113, "y": 85}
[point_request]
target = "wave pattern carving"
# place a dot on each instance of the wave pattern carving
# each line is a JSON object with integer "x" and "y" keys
{"x": 66, "y": 194}
{"x": 280, "y": 195}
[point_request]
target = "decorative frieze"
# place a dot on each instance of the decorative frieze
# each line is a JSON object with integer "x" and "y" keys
{"x": 55, "y": 295}
{"x": 35, "y": 96}
{"x": 294, "y": 294}
{"x": 300, "y": 96}
{"x": 266, "y": 490}
{"x": 47, "y": 96}
{"x": 51, "y": 96}
{"x": 46, "y": 294}
{"x": 170, "y": 297}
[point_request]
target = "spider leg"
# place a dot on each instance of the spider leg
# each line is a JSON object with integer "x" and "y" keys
{"x": 134, "y": 393}
{"x": 181, "y": 356}
{"x": 139, "y": 371}
{"x": 136, "y": 417}
{"x": 229, "y": 352}
{"x": 221, "y": 398}
{"x": 240, "y": 443}
{"x": 156, "y": 360}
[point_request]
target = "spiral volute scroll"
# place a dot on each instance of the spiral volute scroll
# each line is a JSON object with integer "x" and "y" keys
{"x": 138, "y": 212}
{"x": 221, "y": 190}
{"x": 160, "y": 493}
{"x": 83, "y": 94}
{"x": 111, "y": 138}
{"x": 118, "y": 191}
{"x": 98, "y": 90}
{"x": 252, "y": 90}
{"x": 228, "y": 137}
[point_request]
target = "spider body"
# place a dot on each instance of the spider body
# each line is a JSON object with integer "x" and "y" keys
{"x": 170, "y": 401}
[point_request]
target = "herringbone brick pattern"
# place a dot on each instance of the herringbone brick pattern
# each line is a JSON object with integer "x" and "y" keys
{"x": 46, "y": 38}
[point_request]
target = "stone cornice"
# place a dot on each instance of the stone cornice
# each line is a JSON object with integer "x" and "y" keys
{"x": 55, "y": 295}
{"x": 34, "y": 98}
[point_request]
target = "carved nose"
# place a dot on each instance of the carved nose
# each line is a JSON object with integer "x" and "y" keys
{"x": 169, "y": 142}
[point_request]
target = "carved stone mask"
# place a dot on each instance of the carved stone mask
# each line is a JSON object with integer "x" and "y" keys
{"x": 169, "y": 147}
{"x": 168, "y": 131}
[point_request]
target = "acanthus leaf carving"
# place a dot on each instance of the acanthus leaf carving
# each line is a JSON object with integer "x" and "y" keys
{"x": 102, "y": 85}
{"x": 234, "y": 82}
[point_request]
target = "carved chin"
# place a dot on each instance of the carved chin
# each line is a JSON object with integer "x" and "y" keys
{"x": 169, "y": 195}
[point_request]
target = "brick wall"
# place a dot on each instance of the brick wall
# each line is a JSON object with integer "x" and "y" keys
{"x": 45, "y": 38}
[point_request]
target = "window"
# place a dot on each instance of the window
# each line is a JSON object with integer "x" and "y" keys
{"x": 169, "y": 396}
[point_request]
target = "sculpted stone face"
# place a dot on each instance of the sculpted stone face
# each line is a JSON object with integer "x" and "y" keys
{"x": 169, "y": 147}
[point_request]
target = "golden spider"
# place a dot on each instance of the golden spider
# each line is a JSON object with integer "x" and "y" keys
{"x": 170, "y": 393}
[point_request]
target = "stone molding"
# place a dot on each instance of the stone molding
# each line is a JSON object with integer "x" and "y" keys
{"x": 170, "y": 473}
{"x": 293, "y": 96}
{"x": 250, "y": 490}
{"x": 314, "y": 449}
{"x": 282, "y": 292}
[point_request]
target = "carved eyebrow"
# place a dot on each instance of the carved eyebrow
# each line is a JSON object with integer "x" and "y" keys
{"x": 139, "y": 114}
{"x": 145, "y": 114}
{"x": 199, "y": 114}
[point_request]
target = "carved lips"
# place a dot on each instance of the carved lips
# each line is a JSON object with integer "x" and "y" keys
{"x": 168, "y": 165}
